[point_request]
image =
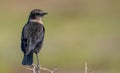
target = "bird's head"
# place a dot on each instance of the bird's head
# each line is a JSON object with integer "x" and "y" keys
{"x": 37, "y": 14}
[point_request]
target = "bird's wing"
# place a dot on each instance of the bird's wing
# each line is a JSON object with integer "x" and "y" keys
{"x": 24, "y": 38}
{"x": 31, "y": 36}
{"x": 40, "y": 34}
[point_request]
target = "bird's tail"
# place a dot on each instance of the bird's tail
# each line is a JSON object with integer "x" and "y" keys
{"x": 28, "y": 59}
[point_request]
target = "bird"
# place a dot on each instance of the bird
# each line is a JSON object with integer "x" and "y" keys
{"x": 32, "y": 36}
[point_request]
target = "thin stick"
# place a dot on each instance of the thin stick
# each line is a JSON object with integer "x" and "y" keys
{"x": 86, "y": 67}
{"x": 36, "y": 69}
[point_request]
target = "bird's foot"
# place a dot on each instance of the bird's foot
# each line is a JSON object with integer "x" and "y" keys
{"x": 46, "y": 69}
{"x": 34, "y": 68}
{"x": 31, "y": 67}
{"x": 38, "y": 68}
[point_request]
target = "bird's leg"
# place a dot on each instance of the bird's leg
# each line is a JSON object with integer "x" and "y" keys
{"x": 37, "y": 59}
{"x": 38, "y": 67}
{"x": 38, "y": 64}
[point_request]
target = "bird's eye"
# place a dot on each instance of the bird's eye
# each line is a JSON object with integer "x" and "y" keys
{"x": 38, "y": 14}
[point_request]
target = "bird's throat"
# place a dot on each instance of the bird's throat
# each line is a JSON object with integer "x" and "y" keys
{"x": 36, "y": 20}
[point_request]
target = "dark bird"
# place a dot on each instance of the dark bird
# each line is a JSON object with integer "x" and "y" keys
{"x": 32, "y": 36}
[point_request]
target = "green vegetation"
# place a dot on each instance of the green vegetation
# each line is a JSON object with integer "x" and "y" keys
{"x": 74, "y": 34}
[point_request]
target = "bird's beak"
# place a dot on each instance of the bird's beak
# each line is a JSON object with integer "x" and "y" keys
{"x": 45, "y": 13}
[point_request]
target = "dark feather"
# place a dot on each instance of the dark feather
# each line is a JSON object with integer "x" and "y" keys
{"x": 32, "y": 39}
{"x": 28, "y": 59}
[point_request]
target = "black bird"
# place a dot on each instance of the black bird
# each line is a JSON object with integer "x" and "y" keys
{"x": 32, "y": 36}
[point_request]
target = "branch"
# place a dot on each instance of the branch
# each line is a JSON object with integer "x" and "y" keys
{"x": 36, "y": 69}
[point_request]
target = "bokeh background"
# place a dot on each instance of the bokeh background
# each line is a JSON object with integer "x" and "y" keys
{"x": 76, "y": 31}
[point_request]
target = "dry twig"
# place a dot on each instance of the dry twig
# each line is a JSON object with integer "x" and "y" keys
{"x": 37, "y": 68}
{"x": 86, "y": 67}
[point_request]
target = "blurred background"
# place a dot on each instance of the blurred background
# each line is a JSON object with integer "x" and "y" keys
{"x": 76, "y": 31}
